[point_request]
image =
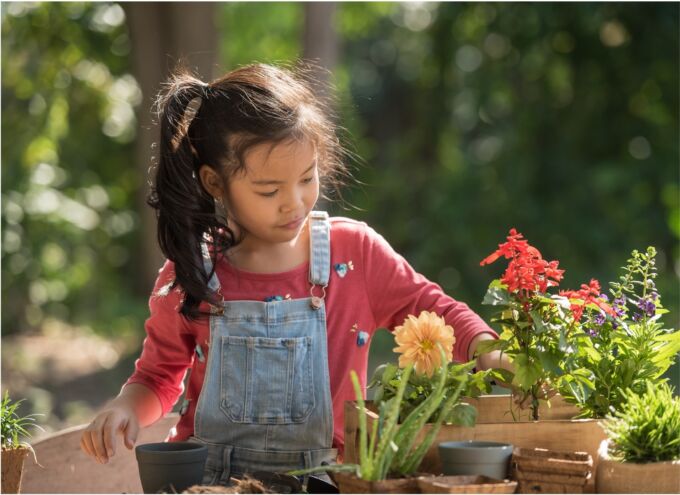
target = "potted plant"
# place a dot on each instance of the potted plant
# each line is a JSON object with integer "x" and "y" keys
{"x": 620, "y": 350}
{"x": 14, "y": 451}
{"x": 419, "y": 386}
{"x": 388, "y": 458}
{"x": 642, "y": 453}
{"x": 537, "y": 328}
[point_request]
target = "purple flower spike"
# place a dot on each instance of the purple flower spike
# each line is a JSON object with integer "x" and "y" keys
{"x": 647, "y": 306}
{"x": 637, "y": 317}
{"x": 604, "y": 297}
{"x": 655, "y": 296}
{"x": 600, "y": 318}
{"x": 651, "y": 309}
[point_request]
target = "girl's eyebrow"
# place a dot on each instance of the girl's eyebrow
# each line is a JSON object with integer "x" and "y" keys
{"x": 265, "y": 182}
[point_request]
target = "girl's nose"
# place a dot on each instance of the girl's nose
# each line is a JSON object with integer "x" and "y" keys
{"x": 293, "y": 201}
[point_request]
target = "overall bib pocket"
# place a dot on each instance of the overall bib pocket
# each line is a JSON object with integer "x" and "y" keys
{"x": 266, "y": 380}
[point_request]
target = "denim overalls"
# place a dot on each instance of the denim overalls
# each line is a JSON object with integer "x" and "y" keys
{"x": 265, "y": 404}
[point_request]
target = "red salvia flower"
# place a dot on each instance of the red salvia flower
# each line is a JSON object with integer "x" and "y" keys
{"x": 527, "y": 271}
{"x": 588, "y": 294}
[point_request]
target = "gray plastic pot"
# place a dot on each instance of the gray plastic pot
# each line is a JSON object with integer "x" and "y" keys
{"x": 170, "y": 467}
{"x": 490, "y": 459}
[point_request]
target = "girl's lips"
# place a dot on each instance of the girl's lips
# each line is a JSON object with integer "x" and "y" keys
{"x": 293, "y": 225}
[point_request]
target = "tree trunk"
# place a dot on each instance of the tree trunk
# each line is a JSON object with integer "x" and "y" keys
{"x": 162, "y": 34}
{"x": 320, "y": 41}
{"x": 320, "y": 45}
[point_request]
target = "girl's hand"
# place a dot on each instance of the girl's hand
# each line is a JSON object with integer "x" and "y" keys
{"x": 99, "y": 438}
{"x": 496, "y": 359}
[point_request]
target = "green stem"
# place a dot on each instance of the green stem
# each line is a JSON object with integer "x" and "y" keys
{"x": 364, "y": 461}
{"x": 385, "y": 446}
{"x": 415, "y": 421}
{"x": 416, "y": 457}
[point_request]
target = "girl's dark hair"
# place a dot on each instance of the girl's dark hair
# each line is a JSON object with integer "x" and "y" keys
{"x": 215, "y": 124}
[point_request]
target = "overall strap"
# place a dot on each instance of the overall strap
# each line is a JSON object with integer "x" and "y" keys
{"x": 213, "y": 283}
{"x": 319, "y": 248}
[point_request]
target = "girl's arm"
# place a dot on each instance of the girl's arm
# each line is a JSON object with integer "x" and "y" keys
{"x": 156, "y": 383}
{"x": 135, "y": 407}
{"x": 395, "y": 290}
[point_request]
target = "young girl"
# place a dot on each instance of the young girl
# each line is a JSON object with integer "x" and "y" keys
{"x": 270, "y": 303}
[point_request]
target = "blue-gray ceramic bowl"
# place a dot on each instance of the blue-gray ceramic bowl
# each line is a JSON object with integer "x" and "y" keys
{"x": 491, "y": 459}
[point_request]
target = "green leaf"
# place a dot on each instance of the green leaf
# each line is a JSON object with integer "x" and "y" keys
{"x": 378, "y": 394}
{"x": 527, "y": 372}
{"x": 563, "y": 345}
{"x": 550, "y": 360}
{"x": 537, "y": 319}
{"x": 389, "y": 372}
{"x": 496, "y": 296}
{"x": 463, "y": 414}
{"x": 665, "y": 356}
{"x": 377, "y": 376}
{"x": 486, "y": 346}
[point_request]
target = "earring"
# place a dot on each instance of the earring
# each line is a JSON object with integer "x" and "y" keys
{"x": 220, "y": 210}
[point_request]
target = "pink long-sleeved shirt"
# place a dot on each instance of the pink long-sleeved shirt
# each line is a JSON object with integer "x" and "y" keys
{"x": 370, "y": 287}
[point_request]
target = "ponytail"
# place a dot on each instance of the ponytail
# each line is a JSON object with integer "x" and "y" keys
{"x": 255, "y": 104}
{"x": 184, "y": 209}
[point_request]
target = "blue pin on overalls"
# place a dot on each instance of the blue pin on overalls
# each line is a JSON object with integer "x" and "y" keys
{"x": 265, "y": 404}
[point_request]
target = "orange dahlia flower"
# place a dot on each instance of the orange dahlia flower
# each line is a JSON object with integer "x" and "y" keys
{"x": 418, "y": 338}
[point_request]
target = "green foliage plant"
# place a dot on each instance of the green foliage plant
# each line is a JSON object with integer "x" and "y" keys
{"x": 391, "y": 450}
{"x": 647, "y": 427}
{"x": 388, "y": 377}
{"x": 13, "y": 425}
{"x": 628, "y": 349}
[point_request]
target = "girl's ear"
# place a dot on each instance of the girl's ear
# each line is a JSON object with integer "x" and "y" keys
{"x": 212, "y": 182}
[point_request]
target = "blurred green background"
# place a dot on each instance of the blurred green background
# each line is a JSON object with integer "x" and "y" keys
{"x": 469, "y": 118}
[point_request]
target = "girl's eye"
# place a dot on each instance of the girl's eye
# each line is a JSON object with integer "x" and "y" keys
{"x": 268, "y": 195}
{"x": 308, "y": 180}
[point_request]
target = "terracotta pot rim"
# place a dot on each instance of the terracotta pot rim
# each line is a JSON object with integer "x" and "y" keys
{"x": 17, "y": 448}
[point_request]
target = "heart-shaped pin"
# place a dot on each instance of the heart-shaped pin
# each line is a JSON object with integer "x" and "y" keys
{"x": 341, "y": 269}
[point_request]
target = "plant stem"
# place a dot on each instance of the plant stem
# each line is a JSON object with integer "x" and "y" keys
{"x": 364, "y": 461}
{"x": 384, "y": 456}
{"x": 416, "y": 457}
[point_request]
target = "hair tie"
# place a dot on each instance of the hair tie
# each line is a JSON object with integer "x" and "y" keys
{"x": 190, "y": 112}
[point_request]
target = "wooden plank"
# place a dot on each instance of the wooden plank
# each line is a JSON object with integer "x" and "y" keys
{"x": 67, "y": 469}
{"x": 497, "y": 409}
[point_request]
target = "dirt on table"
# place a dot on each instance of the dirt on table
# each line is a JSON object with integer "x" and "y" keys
{"x": 246, "y": 485}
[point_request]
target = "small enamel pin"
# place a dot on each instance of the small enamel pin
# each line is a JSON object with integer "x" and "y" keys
{"x": 342, "y": 268}
{"x": 362, "y": 338}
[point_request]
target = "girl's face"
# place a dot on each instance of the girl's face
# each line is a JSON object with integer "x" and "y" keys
{"x": 272, "y": 197}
